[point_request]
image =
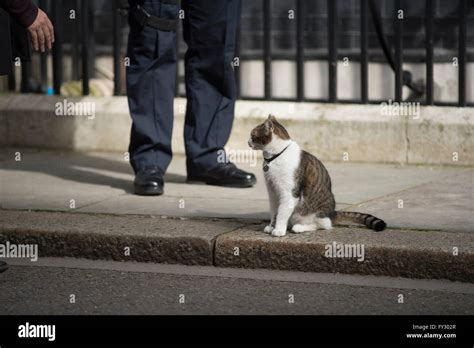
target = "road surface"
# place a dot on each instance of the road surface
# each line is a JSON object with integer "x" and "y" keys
{"x": 78, "y": 286}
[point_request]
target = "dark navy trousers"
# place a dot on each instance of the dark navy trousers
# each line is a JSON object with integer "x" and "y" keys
{"x": 209, "y": 29}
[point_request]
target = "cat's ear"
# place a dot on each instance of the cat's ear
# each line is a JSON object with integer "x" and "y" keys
{"x": 268, "y": 123}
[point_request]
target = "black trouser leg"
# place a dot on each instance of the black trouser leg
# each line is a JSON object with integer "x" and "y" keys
{"x": 210, "y": 32}
{"x": 150, "y": 88}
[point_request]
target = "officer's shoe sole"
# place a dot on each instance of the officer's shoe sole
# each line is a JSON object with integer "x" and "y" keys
{"x": 3, "y": 266}
{"x": 241, "y": 184}
{"x": 148, "y": 190}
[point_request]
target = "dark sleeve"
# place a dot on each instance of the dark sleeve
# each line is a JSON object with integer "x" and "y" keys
{"x": 23, "y": 11}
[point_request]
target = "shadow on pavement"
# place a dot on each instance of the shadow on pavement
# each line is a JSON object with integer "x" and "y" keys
{"x": 82, "y": 168}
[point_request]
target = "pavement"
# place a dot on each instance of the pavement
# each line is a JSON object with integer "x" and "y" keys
{"x": 64, "y": 286}
{"x": 81, "y": 205}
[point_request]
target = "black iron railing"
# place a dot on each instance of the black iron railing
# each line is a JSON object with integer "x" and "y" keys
{"x": 394, "y": 51}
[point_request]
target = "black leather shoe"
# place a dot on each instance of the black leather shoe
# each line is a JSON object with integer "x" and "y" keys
{"x": 149, "y": 181}
{"x": 3, "y": 266}
{"x": 225, "y": 174}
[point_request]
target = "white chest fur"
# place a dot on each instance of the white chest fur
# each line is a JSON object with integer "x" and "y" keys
{"x": 280, "y": 180}
{"x": 280, "y": 175}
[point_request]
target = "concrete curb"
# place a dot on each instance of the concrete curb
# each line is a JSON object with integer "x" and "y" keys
{"x": 232, "y": 243}
{"x": 336, "y": 132}
{"x": 94, "y": 236}
{"x": 395, "y": 253}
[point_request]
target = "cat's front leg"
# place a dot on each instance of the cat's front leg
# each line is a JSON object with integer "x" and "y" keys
{"x": 273, "y": 200}
{"x": 285, "y": 209}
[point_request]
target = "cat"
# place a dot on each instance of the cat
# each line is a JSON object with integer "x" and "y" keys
{"x": 298, "y": 185}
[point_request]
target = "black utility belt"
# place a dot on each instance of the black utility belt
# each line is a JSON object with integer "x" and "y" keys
{"x": 139, "y": 14}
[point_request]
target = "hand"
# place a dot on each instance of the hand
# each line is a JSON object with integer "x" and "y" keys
{"x": 42, "y": 32}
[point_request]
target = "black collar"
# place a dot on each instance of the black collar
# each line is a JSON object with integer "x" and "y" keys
{"x": 274, "y": 157}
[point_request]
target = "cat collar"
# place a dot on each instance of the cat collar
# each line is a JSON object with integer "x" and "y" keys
{"x": 266, "y": 161}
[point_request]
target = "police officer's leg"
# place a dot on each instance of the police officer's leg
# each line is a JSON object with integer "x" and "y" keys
{"x": 210, "y": 31}
{"x": 150, "y": 89}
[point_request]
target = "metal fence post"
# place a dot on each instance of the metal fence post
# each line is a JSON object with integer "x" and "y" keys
{"x": 332, "y": 48}
{"x": 364, "y": 60}
{"x": 84, "y": 46}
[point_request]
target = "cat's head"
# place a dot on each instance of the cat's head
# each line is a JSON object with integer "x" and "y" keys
{"x": 266, "y": 133}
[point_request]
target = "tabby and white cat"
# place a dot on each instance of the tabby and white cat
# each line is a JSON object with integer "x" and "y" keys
{"x": 298, "y": 184}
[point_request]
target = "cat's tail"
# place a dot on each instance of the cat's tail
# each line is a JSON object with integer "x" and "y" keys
{"x": 368, "y": 220}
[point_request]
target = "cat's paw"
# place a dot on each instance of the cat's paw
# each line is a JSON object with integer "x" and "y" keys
{"x": 278, "y": 232}
{"x": 324, "y": 223}
{"x": 300, "y": 228}
{"x": 268, "y": 229}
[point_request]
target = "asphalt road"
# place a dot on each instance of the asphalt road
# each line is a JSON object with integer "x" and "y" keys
{"x": 104, "y": 287}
